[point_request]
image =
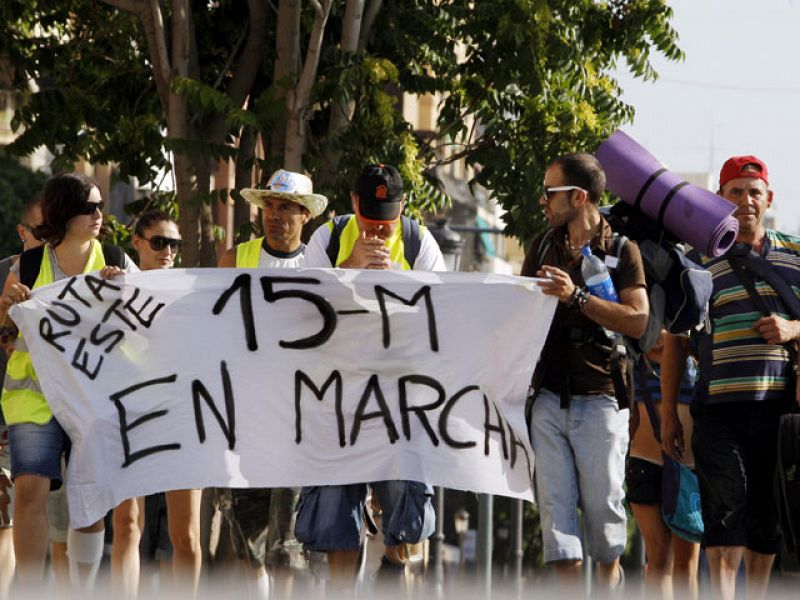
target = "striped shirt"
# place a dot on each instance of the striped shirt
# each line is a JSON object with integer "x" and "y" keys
{"x": 735, "y": 363}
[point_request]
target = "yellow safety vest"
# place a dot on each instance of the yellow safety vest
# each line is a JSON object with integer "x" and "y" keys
{"x": 347, "y": 242}
{"x": 23, "y": 401}
{"x": 248, "y": 254}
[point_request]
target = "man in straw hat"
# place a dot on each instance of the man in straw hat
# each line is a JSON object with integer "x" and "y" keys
{"x": 287, "y": 202}
{"x": 261, "y": 518}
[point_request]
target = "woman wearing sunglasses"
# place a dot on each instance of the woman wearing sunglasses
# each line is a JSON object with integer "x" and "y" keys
{"x": 157, "y": 241}
{"x": 72, "y": 217}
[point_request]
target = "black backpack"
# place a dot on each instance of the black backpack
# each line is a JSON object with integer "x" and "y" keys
{"x": 678, "y": 290}
{"x": 30, "y": 262}
{"x": 412, "y": 238}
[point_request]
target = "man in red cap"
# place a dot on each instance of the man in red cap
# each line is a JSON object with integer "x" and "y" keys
{"x": 745, "y": 384}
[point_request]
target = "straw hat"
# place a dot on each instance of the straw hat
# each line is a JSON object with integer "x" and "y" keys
{"x": 288, "y": 185}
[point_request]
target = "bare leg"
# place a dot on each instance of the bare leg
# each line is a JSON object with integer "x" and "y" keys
{"x": 183, "y": 515}
{"x": 758, "y": 567}
{"x": 723, "y": 564}
{"x": 59, "y": 563}
{"x": 685, "y": 561}
{"x": 569, "y": 577}
{"x": 342, "y": 568}
{"x": 7, "y": 562}
{"x": 657, "y": 543}
{"x": 128, "y": 526}
{"x": 30, "y": 526}
{"x": 608, "y": 575}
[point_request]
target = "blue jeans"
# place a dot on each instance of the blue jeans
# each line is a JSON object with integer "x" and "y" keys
{"x": 580, "y": 462}
{"x": 329, "y": 517}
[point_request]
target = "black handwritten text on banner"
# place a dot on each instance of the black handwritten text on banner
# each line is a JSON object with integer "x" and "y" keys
{"x": 236, "y": 378}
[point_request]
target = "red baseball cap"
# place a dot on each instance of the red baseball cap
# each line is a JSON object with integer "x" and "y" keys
{"x": 743, "y": 166}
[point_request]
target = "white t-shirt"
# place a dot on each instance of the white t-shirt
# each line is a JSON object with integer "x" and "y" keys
{"x": 429, "y": 258}
{"x": 275, "y": 259}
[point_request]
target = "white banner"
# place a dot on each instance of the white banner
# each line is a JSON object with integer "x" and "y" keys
{"x": 275, "y": 378}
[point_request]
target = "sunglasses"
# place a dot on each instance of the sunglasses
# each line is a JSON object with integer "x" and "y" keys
{"x": 547, "y": 191}
{"x": 90, "y": 207}
{"x": 159, "y": 242}
{"x": 32, "y": 230}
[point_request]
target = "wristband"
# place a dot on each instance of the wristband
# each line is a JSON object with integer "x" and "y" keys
{"x": 579, "y": 298}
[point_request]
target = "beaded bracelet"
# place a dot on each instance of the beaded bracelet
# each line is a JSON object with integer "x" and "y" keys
{"x": 579, "y": 298}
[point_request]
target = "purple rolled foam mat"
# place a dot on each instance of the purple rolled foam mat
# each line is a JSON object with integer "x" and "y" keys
{"x": 692, "y": 214}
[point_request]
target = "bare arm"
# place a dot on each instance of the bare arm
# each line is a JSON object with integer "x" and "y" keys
{"x": 228, "y": 260}
{"x": 13, "y": 292}
{"x": 673, "y": 362}
{"x": 629, "y": 317}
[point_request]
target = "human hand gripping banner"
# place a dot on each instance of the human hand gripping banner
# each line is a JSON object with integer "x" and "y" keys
{"x": 282, "y": 378}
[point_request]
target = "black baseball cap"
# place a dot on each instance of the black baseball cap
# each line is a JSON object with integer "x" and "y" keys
{"x": 380, "y": 193}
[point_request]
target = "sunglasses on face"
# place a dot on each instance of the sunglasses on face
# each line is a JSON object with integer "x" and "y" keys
{"x": 90, "y": 207}
{"x": 159, "y": 242}
{"x": 548, "y": 191}
{"x": 32, "y": 230}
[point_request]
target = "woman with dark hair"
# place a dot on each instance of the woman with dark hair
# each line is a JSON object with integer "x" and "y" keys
{"x": 157, "y": 241}
{"x": 72, "y": 216}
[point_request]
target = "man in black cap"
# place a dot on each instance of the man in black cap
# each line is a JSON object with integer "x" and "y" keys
{"x": 376, "y": 236}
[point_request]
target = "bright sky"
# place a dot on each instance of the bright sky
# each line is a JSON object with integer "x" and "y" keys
{"x": 736, "y": 92}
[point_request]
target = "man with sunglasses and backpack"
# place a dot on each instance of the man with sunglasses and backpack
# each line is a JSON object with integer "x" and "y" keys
{"x": 261, "y": 519}
{"x": 375, "y": 236}
{"x": 745, "y": 383}
{"x": 578, "y": 421}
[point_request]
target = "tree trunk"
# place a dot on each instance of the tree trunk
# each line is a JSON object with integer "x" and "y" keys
{"x": 297, "y": 102}
{"x": 287, "y": 65}
{"x": 342, "y": 112}
{"x": 244, "y": 179}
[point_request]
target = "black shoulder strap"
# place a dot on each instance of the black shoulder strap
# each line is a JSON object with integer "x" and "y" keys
{"x": 30, "y": 262}
{"x": 412, "y": 239}
{"x": 544, "y": 247}
{"x": 642, "y": 371}
{"x": 339, "y": 223}
{"x": 114, "y": 256}
{"x": 618, "y": 244}
{"x": 744, "y": 267}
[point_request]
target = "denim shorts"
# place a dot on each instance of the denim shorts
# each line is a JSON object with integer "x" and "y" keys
{"x": 37, "y": 449}
{"x": 330, "y": 517}
{"x": 580, "y": 463}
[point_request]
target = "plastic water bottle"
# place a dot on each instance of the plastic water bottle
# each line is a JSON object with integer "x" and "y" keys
{"x": 596, "y": 275}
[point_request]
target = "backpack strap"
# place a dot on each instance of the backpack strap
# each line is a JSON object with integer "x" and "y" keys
{"x": 618, "y": 244}
{"x": 339, "y": 223}
{"x": 114, "y": 256}
{"x": 412, "y": 239}
{"x": 30, "y": 262}
{"x": 544, "y": 247}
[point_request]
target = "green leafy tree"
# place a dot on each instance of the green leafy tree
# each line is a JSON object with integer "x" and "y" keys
{"x": 317, "y": 84}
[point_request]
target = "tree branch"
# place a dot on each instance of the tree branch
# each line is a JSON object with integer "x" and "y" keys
{"x": 149, "y": 13}
{"x": 249, "y": 63}
{"x": 368, "y": 22}
{"x": 309, "y": 72}
{"x": 132, "y": 6}
{"x": 252, "y": 54}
